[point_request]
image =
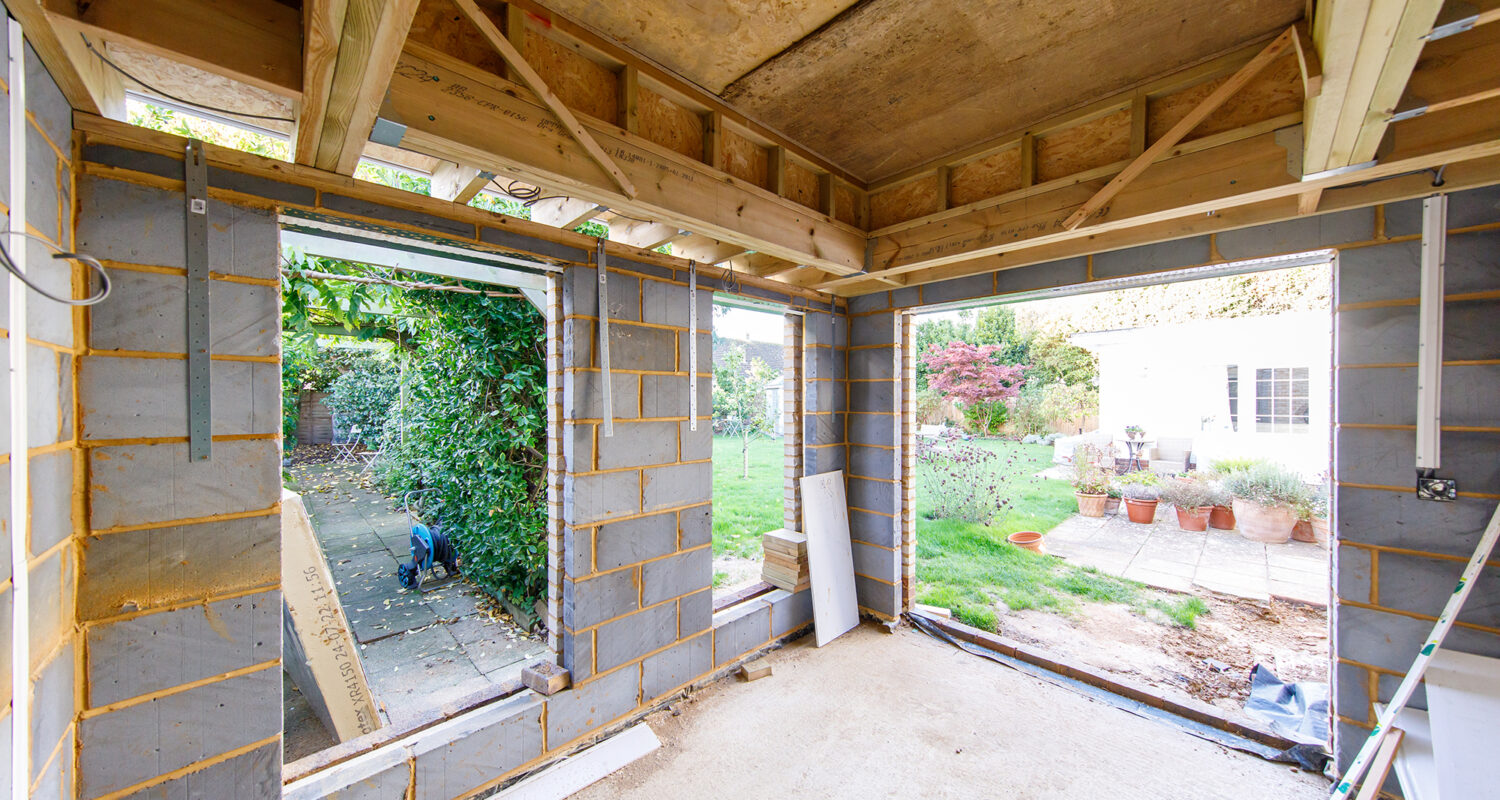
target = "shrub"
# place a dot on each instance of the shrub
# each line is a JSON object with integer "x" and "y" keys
{"x": 1031, "y": 438}
{"x": 1225, "y": 466}
{"x": 966, "y": 482}
{"x": 364, "y": 396}
{"x": 1187, "y": 494}
{"x": 1268, "y": 484}
{"x": 1140, "y": 491}
{"x": 1088, "y": 476}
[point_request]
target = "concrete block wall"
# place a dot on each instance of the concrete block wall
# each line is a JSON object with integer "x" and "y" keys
{"x": 179, "y": 566}
{"x": 1399, "y": 557}
{"x": 825, "y": 391}
{"x": 873, "y": 479}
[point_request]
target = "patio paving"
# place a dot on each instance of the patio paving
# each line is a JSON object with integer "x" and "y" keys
{"x": 1163, "y": 555}
{"x": 418, "y": 650}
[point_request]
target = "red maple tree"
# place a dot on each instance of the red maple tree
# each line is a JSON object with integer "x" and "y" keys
{"x": 972, "y": 375}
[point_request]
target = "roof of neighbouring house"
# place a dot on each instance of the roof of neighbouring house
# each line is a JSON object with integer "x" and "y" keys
{"x": 769, "y": 353}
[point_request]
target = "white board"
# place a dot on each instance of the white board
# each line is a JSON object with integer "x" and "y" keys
{"x": 1414, "y": 766}
{"x": 574, "y": 773}
{"x": 830, "y": 558}
{"x": 1463, "y": 705}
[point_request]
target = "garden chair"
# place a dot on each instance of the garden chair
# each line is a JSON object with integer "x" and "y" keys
{"x": 345, "y": 442}
{"x": 1171, "y": 455}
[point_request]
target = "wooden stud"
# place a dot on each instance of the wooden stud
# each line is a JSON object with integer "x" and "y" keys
{"x": 713, "y": 140}
{"x": 322, "y": 25}
{"x": 1138, "y": 120}
{"x": 369, "y": 45}
{"x": 825, "y": 193}
{"x": 539, "y": 86}
{"x": 515, "y": 33}
{"x": 1028, "y": 160}
{"x": 776, "y": 170}
{"x": 944, "y": 179}
{"x": 630, "y": 99}
{"x": 1307, "y": 202}
{"x": 1185, "y": 126}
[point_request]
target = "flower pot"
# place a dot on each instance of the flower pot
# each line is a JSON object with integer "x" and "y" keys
{"x": 1221, "y": 518}
{"x": 1271, "y": 524}
{"x": 1141, "y": 511}
{"x": 1193, "y": 519}
{"x": 1091, "y": 505}
{"x": 1027, "y": 540}
{"x": 1112, "y": 505}
{"x": 1303, "y": 532}
{"x": 1320, "y": 530}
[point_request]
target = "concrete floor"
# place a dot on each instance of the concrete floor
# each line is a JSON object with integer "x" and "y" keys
{"x": 1166, "y": 556}
{"x": 877, "y": 715}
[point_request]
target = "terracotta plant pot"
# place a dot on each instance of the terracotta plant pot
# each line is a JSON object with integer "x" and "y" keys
{"x": 1221, "y": 518}
{"x": 1258, "y": 523}
{"x": 1303, "y": 532}
{"x": 1027, "y": 540}
{"x": 1091, "y": 505}
{"x": 1112, "y": 505}
{"x": 1141, "y": 511}
{"x": 1320, "y": 531}
{"x": 1193, "y": 519}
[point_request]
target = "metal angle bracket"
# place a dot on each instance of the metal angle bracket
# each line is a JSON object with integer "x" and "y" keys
{"x": 692, "y": 345}
{"x": 604, "y": 376}
{"x": 199, "y": 363}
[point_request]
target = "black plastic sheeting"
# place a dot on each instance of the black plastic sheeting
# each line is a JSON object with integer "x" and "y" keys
{"x": 1296, "y": 711}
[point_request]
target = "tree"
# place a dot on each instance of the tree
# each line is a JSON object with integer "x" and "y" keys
{"x": 1054, "y": 358}
{"x": 740, "y": 399}
{"x": 972, "y": 375}
{"x": 996, "y": 325}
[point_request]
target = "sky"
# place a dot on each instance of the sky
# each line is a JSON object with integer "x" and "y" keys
{"x": 756, "y": 326}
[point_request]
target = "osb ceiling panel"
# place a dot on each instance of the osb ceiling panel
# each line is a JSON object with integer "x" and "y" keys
{"x": 710, "y": 43}
{"x": 892, "y": 84}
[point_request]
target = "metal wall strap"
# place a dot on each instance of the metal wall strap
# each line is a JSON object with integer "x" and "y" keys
{"x": 199, "y": 365}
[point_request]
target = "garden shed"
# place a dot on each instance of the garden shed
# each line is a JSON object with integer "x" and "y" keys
{"x": 617, "y": 167}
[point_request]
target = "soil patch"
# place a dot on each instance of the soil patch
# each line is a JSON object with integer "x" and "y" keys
{"x": 1210, "y": 663}
{"x": 738, "y": 573}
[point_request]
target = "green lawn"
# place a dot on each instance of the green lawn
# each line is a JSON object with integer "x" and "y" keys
{"x": 745, "y": 508}
{"x": 968, "y": 567}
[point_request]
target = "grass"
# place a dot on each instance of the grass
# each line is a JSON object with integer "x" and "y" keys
{"x": 969, "y": 568}
{"x": 745, "y": 508}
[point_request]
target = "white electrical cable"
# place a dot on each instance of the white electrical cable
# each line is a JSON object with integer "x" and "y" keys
{"x": 20, "y": 634}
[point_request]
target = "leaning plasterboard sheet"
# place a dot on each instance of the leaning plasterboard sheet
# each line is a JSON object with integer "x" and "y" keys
{"x": 319, "y": 650}
{"x": 1414, "y": 765}
{"x": 1463, "y": 705}
{"x": 830, "y": 559}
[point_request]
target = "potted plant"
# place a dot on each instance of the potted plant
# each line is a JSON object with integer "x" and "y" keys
{"x": 1090, "y": 481}
{"x": 1222, "y": 515}
{"x": 1134, "y": 431}
{"x": 1312, "y": 519}
{"x": 1193, "y": 500}
{"x": 1266, "y": 499}
{"x": 1142, "y": 490}
{"x": 1112, "y": 504}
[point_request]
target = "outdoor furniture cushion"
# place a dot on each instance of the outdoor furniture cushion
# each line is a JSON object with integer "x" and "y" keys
{"x": 1170, "y": 454}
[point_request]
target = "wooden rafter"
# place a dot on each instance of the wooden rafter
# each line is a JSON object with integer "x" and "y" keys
{"x": 564, "y": 212}
{"x": 368, "y": 47}
{"x": 645, "y": 235}
{"x": 1308, "y": 62}
{"x": 87, "y": 83}
{"x": 534, "y": 82}
{"x": 1200, "y": 112}
{"x": 458, "y": 182}
{"x": 322, "y": 25}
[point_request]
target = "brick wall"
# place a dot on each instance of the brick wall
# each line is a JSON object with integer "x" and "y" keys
{"x": 178, "y": 596}
{"x": 53, "y": 455}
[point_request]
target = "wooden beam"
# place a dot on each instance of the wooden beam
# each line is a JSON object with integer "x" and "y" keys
{"x": 1028, "y": 160}
{"x": 460, "y": 113}
{"x": 534, "y": 82}
{"x": 944, "y": 179}
{"x": 776, "y": 170}
{"x": 369, "y": 45}
{"x": 258, "y": 42}
{"x": 1139, "y": 108}
{"x": 458, "y": 182}
{"x": 645, "y": 235}
{"x": 1184, "y": 126}
{"x": 1307, "y": 202}
{"x": 630, "y": 99}
{"x": 1308, "y": 62}
{"x": 705, "y": 250}
{"x": 88, "y": 84}
{"x": 564, "y": 212}
{"x": 1400, "y": 60}
{"x": 322, "y": 25}
{"x": 713, "y": 140}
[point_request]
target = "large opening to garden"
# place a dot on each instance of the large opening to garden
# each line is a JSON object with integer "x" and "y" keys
{"x": 1135, "y": 479}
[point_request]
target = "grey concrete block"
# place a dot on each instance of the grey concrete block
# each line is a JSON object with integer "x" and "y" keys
{"x": 1156, "y": 257}
{"x": 578, "y": 551}
{"x": 1391, "y": 641}
{"x": 1064, "y": 272}
{"x": 695, "y": 612}
{"x": 635, "y": 540}
{"x": 147, "y": 311}
{"x": 820, "y": 429}
{"x": 255, "y": 775}
{"x": 1295, "y": 235}
{"x": 578, "y": 344}
{"x": 678, "y": 575}
{"x": 741, "y": 629}
{"x": 56, "y": 780}
{"x": 634, "y": 347}
{"x": 506, "y": 238}
{"x": 879, "y": 430}
{"x": 161, "y": 566}
{"x": 1388, "y": 395}
{"x": 673, "y": 668}
{"x": 624, "y": 297}
{"x": 878, "y": 529}
{"x": 817, "y": 329}
{"x": 578, "y": 447}
{"x": 876, "y": 329}
{"x": 574, "y": 712}
{"x": 874, "y": 396}
{"x": 1382, "y": 272}
{"x": 824, "y": 396}
{"x": 824, "y": 363}
{"x": 1384, "y": 457}
{"x": 587, "y": 603}
{"x": 667, "y": 395}
{"x": 580, "y": 292}
{"x": 882, "y": 598}
{"x": 705, "y": 353}
{"x": 578, "y": 654}
{"x": 872, "y": 462}
{"x": 46, "y": 321}
{"x": 136, "y": 484}
{"x": 1351, "y": 693}
{"x": 637, "y": 444}
{"x": 53, "y": 113}
{"x": 461, "y": 754}
{"x": 789, "y": 611}
{"x": 878, "y": 363}
{"x": 965, "y": 288}
{"x": 47, "y": 388}
{"x": 51, "y": 590}
{"x": 876, "y": 562}
{"x": 1389, "y": 335}
{"x": 906, "y": 297}
{"x": 667, "y": 304}
{"x": 869, "y": 302}
{"x": 817, "y": 460}
{"x": 121, "y": 748}
{"x": 1466, "y": 208}
{"x": 1399, "y": 519}
{"x": 44, "y": 209}
{"x": 53, "y": 695}
{"x": 1354, "y": 574}
{"x": 51, "y": 499}
{"x": 677, "y": 485}
{"x": 1424, "y": 585}
{"x": 695, "y": 445}
{"x": 128, "y": 398}
{"x": 695, "y": 526}
{"x": 145, "y": 654}
{"x": 595, "y": 498}
{"x": 145, "y": 225}
{"x": 629, "y": 638}
{"x": 872, "y": 495}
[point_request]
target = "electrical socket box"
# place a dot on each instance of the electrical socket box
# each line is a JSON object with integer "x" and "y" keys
{"x": 1443, "y": 490}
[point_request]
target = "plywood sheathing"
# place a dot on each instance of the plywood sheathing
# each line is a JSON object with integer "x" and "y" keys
{"x": 1275, "y": 92}
{"x": 802, "y": 184}
{"x": 909, "y": 200}
{"x": 892, "y": 84}
{"x": 745, "y": 159}
{"x": 200, "y": 86}
{"x": 1083, "y": 147}
{"x": 670, "y": 125}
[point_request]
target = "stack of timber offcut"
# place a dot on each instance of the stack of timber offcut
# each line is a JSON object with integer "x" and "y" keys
{"x": 786, "y": 559}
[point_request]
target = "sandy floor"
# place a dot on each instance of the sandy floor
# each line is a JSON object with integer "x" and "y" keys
{"x": 874, "y": 715}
